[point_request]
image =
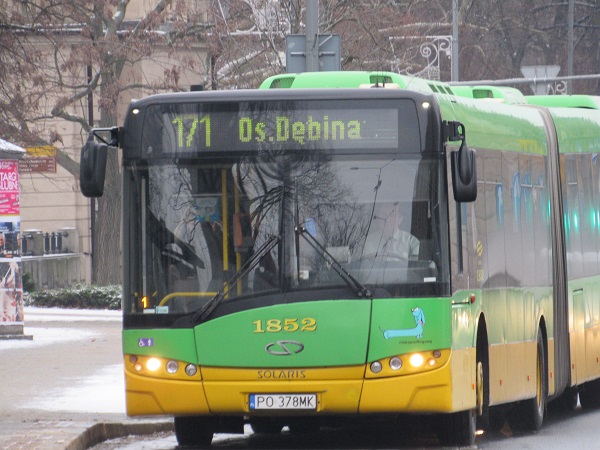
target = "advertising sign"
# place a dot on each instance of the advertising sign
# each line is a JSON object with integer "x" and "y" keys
{"x": 11, "y": 286}
{"x": 41, "y": 159}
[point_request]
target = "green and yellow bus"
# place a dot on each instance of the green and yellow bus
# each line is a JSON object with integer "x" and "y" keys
{"x": 352, "y": 244}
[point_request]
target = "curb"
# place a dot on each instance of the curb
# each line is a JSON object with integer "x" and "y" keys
{"x": 101, "y": 432}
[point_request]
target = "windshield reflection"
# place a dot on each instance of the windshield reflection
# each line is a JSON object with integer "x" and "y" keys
{"x": 377, "y": 218}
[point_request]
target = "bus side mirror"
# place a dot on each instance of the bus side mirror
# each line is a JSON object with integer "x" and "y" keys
{"x": 464, "y": 174}
{"x": 92, "y": 168}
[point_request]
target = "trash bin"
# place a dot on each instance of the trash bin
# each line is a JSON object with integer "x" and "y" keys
{"x": 70, "y": 239}
{"x": 32, "y": 243}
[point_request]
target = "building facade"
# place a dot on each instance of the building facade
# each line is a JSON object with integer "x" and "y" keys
{"x": 55, "y": 218}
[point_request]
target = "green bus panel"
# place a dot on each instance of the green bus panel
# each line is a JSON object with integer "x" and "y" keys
{"x": 578, "y": 131}
{"x": 403, "y": 326}
{"x": 497, "y": 126}
{"x": 167, "y": 343}
{"x": 312, "y": 334}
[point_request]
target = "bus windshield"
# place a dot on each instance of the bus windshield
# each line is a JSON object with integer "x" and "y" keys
{"x": 271, "y": 223}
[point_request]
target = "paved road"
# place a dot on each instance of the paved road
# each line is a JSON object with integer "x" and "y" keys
{"x": 575, "y": 430}
{"x": 64, "y": 388}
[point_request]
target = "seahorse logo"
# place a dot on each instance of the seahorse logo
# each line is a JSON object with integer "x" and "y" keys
{"x": 417, "y": 331}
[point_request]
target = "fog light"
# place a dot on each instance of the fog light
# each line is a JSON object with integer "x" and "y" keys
{"x": 376, "y": 367}
{"x": 395, "y": 363}
{"x": 191, "y": 370}
{"x": 153, "y": 364}
{"x": 416, "y": 360}
{"x": 172, "y": 366}
{"x": 138, "y": 367}
{"x": 431, "y": 362}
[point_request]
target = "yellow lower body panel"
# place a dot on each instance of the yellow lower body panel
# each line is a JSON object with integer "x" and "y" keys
{"x": 513, "y": 372}
{"x": 155, "y": 396}
{"x": 342, "y": 390}
{"x": 333, "y": 397}
{"x": 449, "y": 388}
{"x": 338, "y": 389}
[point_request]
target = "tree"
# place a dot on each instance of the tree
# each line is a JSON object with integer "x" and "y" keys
{"x": 79, "y": 62}
{"x": 497, "y": 38}
{"x": 86, "y": 59}
{"x": 18, "y": 61}
{"x": 248, "y": 42}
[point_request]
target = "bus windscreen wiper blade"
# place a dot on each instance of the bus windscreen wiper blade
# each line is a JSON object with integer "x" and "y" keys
{"x": 210, "y": 306}
{"x": 360, "y": 289}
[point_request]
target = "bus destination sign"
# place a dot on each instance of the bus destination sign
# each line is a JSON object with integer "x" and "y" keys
{"x": 189, "y": 128}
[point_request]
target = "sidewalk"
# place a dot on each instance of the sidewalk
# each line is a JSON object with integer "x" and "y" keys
{"x": 64, "y": 388}
{"x": 54, "y": 435}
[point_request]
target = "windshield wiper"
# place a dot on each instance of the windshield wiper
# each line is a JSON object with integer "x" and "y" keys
{"x": 203, "y": 314}
{"x": 360, "y": 289}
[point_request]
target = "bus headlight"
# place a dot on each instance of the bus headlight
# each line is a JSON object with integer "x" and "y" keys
{"x": 172, "y": 366}
{"x": 376, "y": 367}
{"x": 408, "y": 364}
{"x": 416, "y": 360}
{"x": 157, "y": 367}
{"x": 395, "y": 363}
{"x": 191, "y": 370}
{"x": 153, "y": 364}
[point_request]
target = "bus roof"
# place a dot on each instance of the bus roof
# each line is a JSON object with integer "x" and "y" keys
{"x": 358, "y": 79}
{"x": 381, "y": 79}
{"x": 565, "y": 101}
{"x": 354, "y": 79}
{"x": 499, "y": 93}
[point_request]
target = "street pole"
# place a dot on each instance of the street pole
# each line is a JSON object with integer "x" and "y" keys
{"x": 92, "y": 200}
{"x": 454, "y": 76}
{"x": 570, "y": 21}
{"x": 312, "y": 35}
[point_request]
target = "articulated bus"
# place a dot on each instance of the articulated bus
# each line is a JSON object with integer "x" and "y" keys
{"x": 352, "y": 245}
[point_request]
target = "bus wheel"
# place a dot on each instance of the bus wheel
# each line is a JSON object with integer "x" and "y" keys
{"x": 566, "y": 402}
{"x": 483, "y": 390}
{"x": 458, "y": 429}
{"x": 530, "y": 413}
{"x": 482, "y": 380}
{"x": 589, "y": 395}
{"x": 194, "y": 431}
{"x": 480, "y": 388}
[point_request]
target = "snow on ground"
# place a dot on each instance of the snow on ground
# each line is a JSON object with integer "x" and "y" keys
{"x": 45, "y": 336}
{"x": 49, "y": 336}
{"x": 33, "y": 314}
{"x": 104, "y": 392}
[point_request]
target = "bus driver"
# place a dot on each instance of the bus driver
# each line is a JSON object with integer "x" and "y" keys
{"x": 400, "y": 242}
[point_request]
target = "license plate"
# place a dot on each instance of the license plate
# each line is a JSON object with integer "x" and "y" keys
{"x": 283, "y": 401}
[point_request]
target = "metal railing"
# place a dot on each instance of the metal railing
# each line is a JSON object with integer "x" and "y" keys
{"x": 38, "y": 243}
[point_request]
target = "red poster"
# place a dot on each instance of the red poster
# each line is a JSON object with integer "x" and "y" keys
{"x": 11, "y": 287}
{"x": 9, "y": 188}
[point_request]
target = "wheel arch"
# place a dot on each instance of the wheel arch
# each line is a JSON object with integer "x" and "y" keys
{"x": 480, "y": 333}
{"x": 483, "y": 383}
{"x": 544, "y": 331}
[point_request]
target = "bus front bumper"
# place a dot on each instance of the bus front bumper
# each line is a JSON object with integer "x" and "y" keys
{"x": 338, "y": 391}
